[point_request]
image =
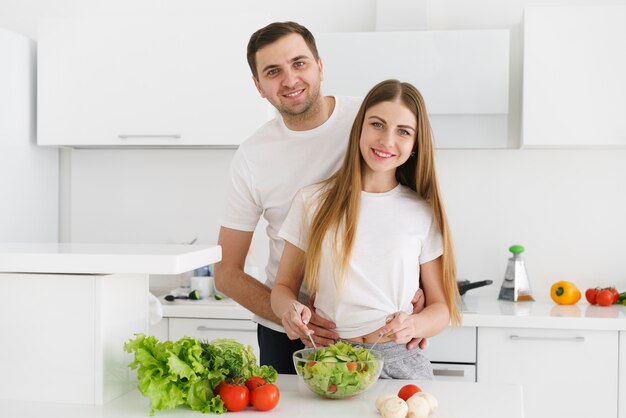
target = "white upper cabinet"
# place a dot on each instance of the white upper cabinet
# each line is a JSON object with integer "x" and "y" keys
{"x": 463, "y": 76}
{"x": 574, "y": 90}
{"x": 147, "y": 81}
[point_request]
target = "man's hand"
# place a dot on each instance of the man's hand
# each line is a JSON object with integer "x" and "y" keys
{"x": 418, "y": 303}
{"x": 323, "y": 329}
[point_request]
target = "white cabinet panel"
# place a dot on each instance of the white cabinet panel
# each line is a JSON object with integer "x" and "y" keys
{"x": 564, "y": 373}
{"x": 622, "y": 374}
{"x": 463, "y": 76}
{"x": 160, "y": 330}
{"x": 242, "y": 330}
{"x": 147, "y": 81}
{"x": 574, "y": 76}
{"x": 29, "y": 175}
{"x": 63, "y": 343}
{"x": 453, "y": 345}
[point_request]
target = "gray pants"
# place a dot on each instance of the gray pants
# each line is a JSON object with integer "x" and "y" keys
{"x": 401, "y": 363}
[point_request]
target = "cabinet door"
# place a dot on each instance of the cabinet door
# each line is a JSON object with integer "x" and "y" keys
{"x": 242, "y": 330}
{"x": 622, "y": 374}
{"x": 160, "y": 330}
{"x": 463, "y": 76}
{"x": 453, "y": 345}
{"x": 574, "y": 76}
{"x": 563, "y": 373}
{"x": 156, "y": 81}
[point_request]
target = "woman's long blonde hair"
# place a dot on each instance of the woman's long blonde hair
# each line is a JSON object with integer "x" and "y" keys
{"x": 339, "y": 199}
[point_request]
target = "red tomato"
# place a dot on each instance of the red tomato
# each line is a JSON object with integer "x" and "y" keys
{"x": 590, "y": 295}
{"x": 407, "y": 391}
{"x": 265, "y": 397}
{"x": 235, "y": 397}
{"x": 332, "y": 388}
{"x": 351, "y": 366}
{"x": 605, "y": 297}
{"x": 254, "y": 382}
{"x": 615, "y": 293}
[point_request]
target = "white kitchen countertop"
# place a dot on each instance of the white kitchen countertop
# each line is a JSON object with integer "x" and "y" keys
{"x": 105, "y": 258}
{"x": 479, "y": 311}
{"x": 204, "y": 308}
{"x": 486, "y": 312}
{"x": 456, "y": 399}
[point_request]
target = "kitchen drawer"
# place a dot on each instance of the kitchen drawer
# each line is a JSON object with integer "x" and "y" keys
{"x": 449, "y": 372}
{"x": 453, "y": 345}
{"x": 242, "y": 330}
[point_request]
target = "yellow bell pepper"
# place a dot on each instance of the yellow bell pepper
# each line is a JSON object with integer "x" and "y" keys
{"x": 564, "y": 293}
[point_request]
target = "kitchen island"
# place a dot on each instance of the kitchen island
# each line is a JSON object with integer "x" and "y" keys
{"x": 67, "y": 310}
{"x": 547, "y": 348}
{"x": 456, "y": 399}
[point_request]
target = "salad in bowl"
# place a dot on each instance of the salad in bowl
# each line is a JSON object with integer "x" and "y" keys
{"x": 339, "y": 370}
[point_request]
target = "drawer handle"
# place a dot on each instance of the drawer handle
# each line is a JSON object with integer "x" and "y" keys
{"x": 204, "y": 328}
{"x": 450, "y": 373}
{"x": 141, "y": 136}
{"x": 573, "y": 339}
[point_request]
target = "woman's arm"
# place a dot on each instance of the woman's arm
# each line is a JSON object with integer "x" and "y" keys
{"x": 435, "y": 316}
{"x": 284, "y": 293}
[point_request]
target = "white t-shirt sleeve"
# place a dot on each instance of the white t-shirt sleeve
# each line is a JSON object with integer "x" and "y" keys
{"x": 432, "y": 247}
{"x": 295, "y": 227}
{"x": 241, "y": 209}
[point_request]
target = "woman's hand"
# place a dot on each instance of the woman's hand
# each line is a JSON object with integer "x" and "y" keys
{"x": 401, "y": 328}
{"x": 295, "y": 320}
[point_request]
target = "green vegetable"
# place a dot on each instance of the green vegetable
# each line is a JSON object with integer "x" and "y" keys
{"x": 187, "y": 371}
{"x": 340, "y": 370}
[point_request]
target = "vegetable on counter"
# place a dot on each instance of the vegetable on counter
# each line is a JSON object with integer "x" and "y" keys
{"x": 407, "y": 391}
{"x": 188, "y": 371}
{"x": 419, "y": 405}
{"x": 605, "y": 296}
{"x": 564, "y": 293}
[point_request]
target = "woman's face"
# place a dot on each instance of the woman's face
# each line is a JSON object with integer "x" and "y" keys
{"x": 389, "y": 132}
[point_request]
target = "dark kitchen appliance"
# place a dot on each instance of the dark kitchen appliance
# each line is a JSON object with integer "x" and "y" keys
{"x": 465, "y": 285}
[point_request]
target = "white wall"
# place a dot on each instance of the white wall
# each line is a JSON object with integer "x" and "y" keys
{"x": 567, "y": 207}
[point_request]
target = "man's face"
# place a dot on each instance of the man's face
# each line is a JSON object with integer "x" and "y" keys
{"x": 288, "y": 75}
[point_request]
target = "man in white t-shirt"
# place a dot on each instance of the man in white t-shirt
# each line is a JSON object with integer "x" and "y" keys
{"x": 304, "y": 144}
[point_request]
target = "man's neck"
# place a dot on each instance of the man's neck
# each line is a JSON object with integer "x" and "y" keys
{"x": 314, "y": 117}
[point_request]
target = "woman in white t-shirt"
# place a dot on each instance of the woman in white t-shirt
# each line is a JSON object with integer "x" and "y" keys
{"x": 365, "y": 239}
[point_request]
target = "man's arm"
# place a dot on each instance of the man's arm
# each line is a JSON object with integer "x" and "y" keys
{"x": 231, "y": 279}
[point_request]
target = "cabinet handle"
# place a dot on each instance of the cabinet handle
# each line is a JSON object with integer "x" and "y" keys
{"x": 447, "y": 372}
{"x": 204, "y": 328}
{"x": 574, "y": 339}
{"x": 140, "y": 136}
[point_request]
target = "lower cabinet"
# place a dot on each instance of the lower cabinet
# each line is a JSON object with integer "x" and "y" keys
{"x": 453, "y": 354}
{"x": 563, "y": 373}
{"x": 160, "y": 330}
{"x": 242, "y": 330}
{"x": 622, "y": 375}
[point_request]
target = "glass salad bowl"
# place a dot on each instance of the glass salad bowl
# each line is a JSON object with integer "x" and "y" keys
{"x": 339, "y": 370}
